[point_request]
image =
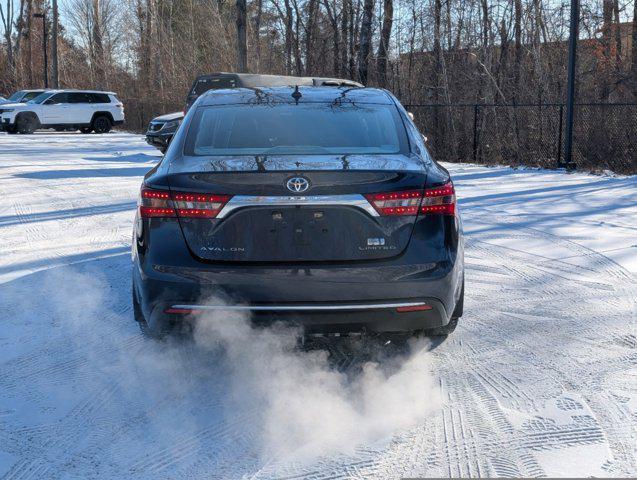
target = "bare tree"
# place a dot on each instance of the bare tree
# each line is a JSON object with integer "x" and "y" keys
{"x": 54, "y": 47}
{"x": 336, "y": 44}
{"x": 242, "y": 49}
{"x": 383, "y": 47}
{"x": 365, "y": 40}
{"x": 345, "y": 12}
{"x": 312, "y": 10}
{"x": 29, "y": 38}
{"x": 518, "y": 47}
{"x": 7, "y": 22}
{"x": 257, "y": 31}
{"x": 633, "y": 64}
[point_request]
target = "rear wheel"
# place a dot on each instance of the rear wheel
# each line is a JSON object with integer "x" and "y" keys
{"x": 453, "y": 323}
{"x": 158, "y": 328}
{"x": 139, "y": 315}
{"x": 443, "y": 331}
{"x": 27, "y": 123}
{"x": 102, "y": 124}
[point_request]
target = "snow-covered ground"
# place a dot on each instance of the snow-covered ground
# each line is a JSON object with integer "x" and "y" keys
{"x": 539, "y": 379}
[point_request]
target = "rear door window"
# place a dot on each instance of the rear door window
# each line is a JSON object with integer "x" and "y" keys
{"x": 58, "y": 98}
{"x": 78, "y": 97}
{"x": 99, "y": 98}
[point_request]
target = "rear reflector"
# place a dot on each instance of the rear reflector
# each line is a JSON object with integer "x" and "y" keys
{"x": 413, "y": 308}
{"x": 179, "y": 311}
{"x": 435, "y": 201}
{"x": 162, "y": 203}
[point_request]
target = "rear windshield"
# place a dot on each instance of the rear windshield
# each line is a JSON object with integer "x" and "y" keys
{"x": 296, "y": 129}
{"x": 202, "y": 85}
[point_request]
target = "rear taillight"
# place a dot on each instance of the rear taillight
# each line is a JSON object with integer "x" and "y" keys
{"x": 439, "y": 200}
{"x": 161, "y": 203}
{"x": 396, "y": 203}
{"x": 436, "y": 201}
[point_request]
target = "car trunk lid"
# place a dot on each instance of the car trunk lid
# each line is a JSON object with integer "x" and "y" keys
{"x": 266, "y": 219}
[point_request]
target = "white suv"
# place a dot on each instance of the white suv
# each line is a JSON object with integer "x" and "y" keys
{"x": 86, "y": 110}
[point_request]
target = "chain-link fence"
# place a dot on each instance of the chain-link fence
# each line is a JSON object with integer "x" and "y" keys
{"x": 604, "y": 134}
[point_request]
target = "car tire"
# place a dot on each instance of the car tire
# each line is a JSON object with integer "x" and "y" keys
{"x": 86, "y": 130}
{"x": 11, "y": 131}
{"x": 443, "y": 331}
{"x": 27, "y": 123}
{"x": 453, "y": 323}
{"x": 458, "y": 311}
{"x": 156, "y": 332}
{"x": 139, "y": 315}
{"x": 102, "y": 124}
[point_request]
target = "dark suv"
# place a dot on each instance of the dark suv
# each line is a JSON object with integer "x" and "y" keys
{"x": 161, "y": 129}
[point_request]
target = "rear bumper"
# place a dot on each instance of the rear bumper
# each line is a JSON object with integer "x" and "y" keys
{"x": 333, "y": 318}
{"x": 358, "y": 299}
{"x": 158, "y": 141}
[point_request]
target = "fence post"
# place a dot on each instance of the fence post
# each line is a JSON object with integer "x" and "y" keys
{"x": 559, "y": 139}
{"x": 475, "y": 133}
{"x": 570, "y": 80}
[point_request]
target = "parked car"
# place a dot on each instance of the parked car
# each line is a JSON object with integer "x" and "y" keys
{"x": 320, "y": 206}
{"x": 86, "y": 110}
{"x": 22, "y": 96}
{"x": 161, "y": 129}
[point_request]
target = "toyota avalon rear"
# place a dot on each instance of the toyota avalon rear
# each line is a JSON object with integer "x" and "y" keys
{"x": 317, "y": 206}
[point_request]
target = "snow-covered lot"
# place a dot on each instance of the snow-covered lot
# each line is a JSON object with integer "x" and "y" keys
{"x": 539, "y": 379}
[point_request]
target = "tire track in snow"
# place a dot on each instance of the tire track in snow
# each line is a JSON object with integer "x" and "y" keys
{"x": 27, "y": 469}
{"x": 187, "y": 447}
{"x": 543, "y": 341}
{"x": 32, "y": 367}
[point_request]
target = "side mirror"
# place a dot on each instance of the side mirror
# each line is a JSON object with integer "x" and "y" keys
{"x": 411, "y": 116}
{"x": 49, "y": 102}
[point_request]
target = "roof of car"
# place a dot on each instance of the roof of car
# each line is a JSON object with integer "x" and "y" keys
{"x": 79, "y": 91}
{"x": 261, "y": 80}
{"x": 295, "y": 94}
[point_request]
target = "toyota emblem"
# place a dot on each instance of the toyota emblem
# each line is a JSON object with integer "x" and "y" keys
{"x": 298, "y": 184}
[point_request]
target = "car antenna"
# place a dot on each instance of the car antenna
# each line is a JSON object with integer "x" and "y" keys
{"x": 296, "y": 95}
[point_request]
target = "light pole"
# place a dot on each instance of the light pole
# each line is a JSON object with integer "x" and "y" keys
{"x": 46, "y": 59}
{"x": 570, "y": 87}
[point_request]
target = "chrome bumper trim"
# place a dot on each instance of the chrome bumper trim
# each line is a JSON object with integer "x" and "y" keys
{"x": 298, "y": 308}
{"x": 353, "y": 200}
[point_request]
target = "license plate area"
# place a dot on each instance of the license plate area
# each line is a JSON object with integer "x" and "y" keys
{"x": 298, "y": 233}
